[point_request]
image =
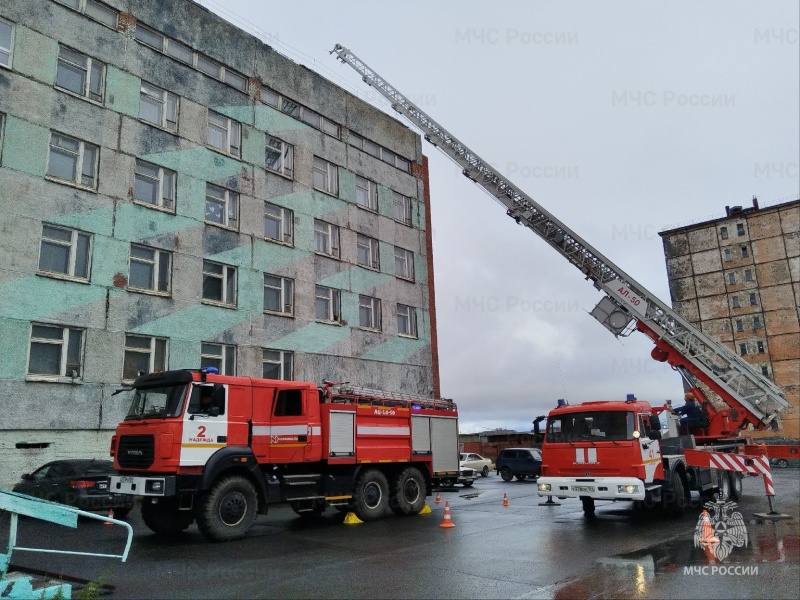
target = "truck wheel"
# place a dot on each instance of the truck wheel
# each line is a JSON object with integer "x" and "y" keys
{"x": 588, "y": 506}
{"x": 506, "y": 474}
{"x": 121, "y": 513}
{"x": 485, "y": 471}
{"x": 674, "y": 499}
{"x": 371, "y": 495}
{"x": 164, "y": 518}
{"x": 228, "y": 510}
{"x": 724, "y": 489}
{"x": 408, "y": 492}
{"x": 736, "y": 485}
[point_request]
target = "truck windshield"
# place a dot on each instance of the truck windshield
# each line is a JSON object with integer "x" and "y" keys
{"x": 157, "y": 402}
{"x": 593, "y": 426}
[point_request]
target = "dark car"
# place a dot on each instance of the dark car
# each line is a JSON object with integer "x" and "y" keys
{"x": 82, "y": 483}
{"x": 519, "y": 463}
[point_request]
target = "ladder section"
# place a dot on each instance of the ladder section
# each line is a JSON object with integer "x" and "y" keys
{"x": 627, "y": 301}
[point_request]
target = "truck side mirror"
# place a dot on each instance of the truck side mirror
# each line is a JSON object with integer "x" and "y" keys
{"x": 654, "y": 434}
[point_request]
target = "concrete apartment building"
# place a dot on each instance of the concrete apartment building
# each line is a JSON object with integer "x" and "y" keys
{"x": 177, "y": 194}
{"x": 738, "y": 278}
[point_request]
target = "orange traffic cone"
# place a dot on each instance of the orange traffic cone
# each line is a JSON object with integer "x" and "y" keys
{"x": 110, "y": 516}
{"x": 447, "y": 522}
{"x": 505, "y": 499}
{"x": 438, "y": 498}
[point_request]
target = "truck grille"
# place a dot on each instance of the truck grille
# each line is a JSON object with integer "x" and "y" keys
{"x": 135, "y": 451}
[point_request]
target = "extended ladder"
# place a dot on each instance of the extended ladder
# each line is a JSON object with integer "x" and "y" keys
{"x": 627, "y": 301}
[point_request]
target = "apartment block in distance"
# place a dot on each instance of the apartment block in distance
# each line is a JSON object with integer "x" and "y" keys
{"x": 176, "y": 194}
{"x": 738, "y": 279}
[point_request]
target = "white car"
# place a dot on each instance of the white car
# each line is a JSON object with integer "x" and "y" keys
{"x": 477, "y": 462}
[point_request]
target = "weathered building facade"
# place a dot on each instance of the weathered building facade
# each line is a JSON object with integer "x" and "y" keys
{"x": 177, "y": 194}
{"x": 738, "y": 279}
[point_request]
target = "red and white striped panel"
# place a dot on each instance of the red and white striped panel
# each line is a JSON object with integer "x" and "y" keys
{"x": 741, "y": 463}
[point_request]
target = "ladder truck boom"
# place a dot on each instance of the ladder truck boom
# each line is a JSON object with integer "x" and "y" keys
{"x": 628, "y": 305}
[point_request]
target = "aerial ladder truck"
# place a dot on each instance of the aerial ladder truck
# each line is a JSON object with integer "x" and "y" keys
{"x": 750, "y": 399}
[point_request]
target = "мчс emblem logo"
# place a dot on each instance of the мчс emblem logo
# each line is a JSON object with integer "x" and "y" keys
{"x": 721, "y": 531}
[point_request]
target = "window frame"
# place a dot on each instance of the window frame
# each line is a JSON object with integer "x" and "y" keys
{"x": 333, "y": 299}
{"x": 157, "y": 345}
{"x": 760, "y": 348}
{"x": 285, "y": 290}
{"x": 284, "y": 218}
{"x": 406, "y": 207}
{"x": 731, "y": 278}
{"x": 229, "y": 281}
{"x": 223, "y": 359}
{"x": 753, "y": 299}
{"x": 331, "y": 174}
{"x": 285, "y": 149}
{"x": 330, "y": 236}
{"x": 735, "y": 302}
{"x": 86, "y": 93}
{"x": 726, "y": 255}
{"x": 745, "y": 251}
{"x": 80, "y": 157}
{"x": 66, "y": 352}
{"x": 407, "y": 259}
{"x": 230, "y": 202}
{"x": 740, "y": 231}
{"x": 165, "y": 101}
{"x": 157, "y": 268}
{"x": 372, "y": 250}
{"x": 233, "y": 141}
{"x": 372, "y": 306}
{"x": 162, "y": 185}
{"x": 73, "y": 245}
{"x": 10, "y": 50}
{"x": 412, "y": 331}
{"x": 723, "y": 232}
{"x": 281, "y": 362}
{"x": 82, "y": 8}
{"x": 748, "y": 275}
{"x": 757, "y": 324}
{"x": 371, "y": 193}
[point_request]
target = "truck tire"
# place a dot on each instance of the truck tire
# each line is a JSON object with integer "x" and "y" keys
{"x": 674, "y": 498}
{"x": 588, "y": 505}
{"x": 736, "y": 485}
{"x": 506, "y": 474}
{"x": 163, "y": 517}
{"x": 724, "y": 490}
{"x": 228, "y": 509}
{"x": 407, "y": 495}
{"x": 371, "y": 496}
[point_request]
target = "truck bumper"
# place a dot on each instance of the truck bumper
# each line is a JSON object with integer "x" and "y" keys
{"x": 164, "y": 485}
{"x": 599, "y": 488}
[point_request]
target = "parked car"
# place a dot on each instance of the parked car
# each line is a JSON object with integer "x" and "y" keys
{"x": 82, "y": 483}
{"x": 782, "y": 463}
{"x": 519, "y": 463}
{"x": 466, "y": 477}
{"x": 476, "y": 461}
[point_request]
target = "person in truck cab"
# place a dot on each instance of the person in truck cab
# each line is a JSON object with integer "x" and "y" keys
{"x": 691, "y": 413}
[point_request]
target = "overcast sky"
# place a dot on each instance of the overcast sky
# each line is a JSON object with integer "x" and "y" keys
{"x": 620, "y": 118}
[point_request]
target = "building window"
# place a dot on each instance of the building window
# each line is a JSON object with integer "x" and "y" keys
{"x": 328, "y": 304}
{"x": 760, "y": 347}
{"x": 739, "y": 325}
{"x": 753, "y": 299}
{"x": 756, "y": 322}
{"x": 224, "y": 134}
{"x": 740, "y": 229}
{"x": 326, "y": 239}
{"x": 277, "y": 364}
{"x": 742, "y": 349}
{"x": 731, "y": 278}
{"x": 404, "y": 263}
{"x": 406, "y": 320}
{"x": 723, "y": 233}
{"x": 150, "y": 269}
{"x": 369, "y": 312}
{"x": 99, "y": 12}
{"x": 748, "y": 275}
{"x": 325, "y": 176}
{"x": 73, "y": 160}
{"x": 735, "y": 301}
{"x": 143, "y": 355}
{"x": 221, "y": 356}
{"x": 222, "y": 206}
{"x": 367, "y": 252}
{"x": 154, "y": 185}
{"x": 366, "y": 193}
{"x": 80, "y": 74}
{"x": 65, "y": 252}
{"x": 726, "y": 255}
{"x": 278, "y": 224}
{"x": 765, "y": 371}
{"x": 55, "y": 351}
{"x": 379, "y": 152}
{"x": 279, "y": 156}
{"x": 6, "y": 43}
{"x": 278, "y": 295}
{"x": 158, "y": 107}
{"x": 745, "y": 252}
{"x": 402, "y": 208}
{"x": 219, "y": 283}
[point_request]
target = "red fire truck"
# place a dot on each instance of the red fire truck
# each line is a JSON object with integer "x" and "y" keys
{"x": 197, "y": 445}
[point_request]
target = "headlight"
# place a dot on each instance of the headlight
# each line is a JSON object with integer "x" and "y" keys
{"x": 627, "y": 489}
{"x": 544, "y": 487}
